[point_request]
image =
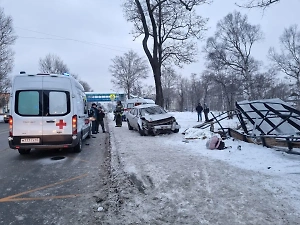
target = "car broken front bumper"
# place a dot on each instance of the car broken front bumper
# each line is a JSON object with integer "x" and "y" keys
{"x": 172, "y": 126}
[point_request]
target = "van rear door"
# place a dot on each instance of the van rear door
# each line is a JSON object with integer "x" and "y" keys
{"x": 27, "y": 115}
{"x": 57, "y": 118}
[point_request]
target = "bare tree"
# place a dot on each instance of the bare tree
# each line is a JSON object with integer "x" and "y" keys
{"x": 262, "y": 83}
{"x": 52, "y": 64}
{"x": 148, "y": 91}
{"x": 182, "y": 93}
{"x": 288, "y": 61}
{"x": 258, "y": 3}
{"x": 85, "y": 85}
{"x": 167, "y": 27}
{"x": 169, "y": 79}
{"x": 231, "y": 47}
{"x": 127, "y": 71}
{"x": 279, "y": 90}
{"x": 7, "y": 38}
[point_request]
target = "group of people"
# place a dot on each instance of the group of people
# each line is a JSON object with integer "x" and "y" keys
{"x": 205, "y": 109}
{"x": 97, "y": 114}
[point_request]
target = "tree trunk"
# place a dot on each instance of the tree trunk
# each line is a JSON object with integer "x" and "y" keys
{"x": 159, "y": 100}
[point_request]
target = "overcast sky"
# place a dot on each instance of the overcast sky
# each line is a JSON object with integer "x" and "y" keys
{"x": 88, "y": 34}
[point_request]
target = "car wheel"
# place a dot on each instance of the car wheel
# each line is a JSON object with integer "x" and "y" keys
{"x": 129, "y": 126}
{"x": 141, "y": 131}
{"x": 24, "y": 151}
{"x": 78, "y": 147}
{"x": 176, "y": 130}
{"x": 145, "y": 128}
{"x": 154, "y": 133}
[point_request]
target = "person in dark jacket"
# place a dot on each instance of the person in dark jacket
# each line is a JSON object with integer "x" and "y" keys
{"x": 206, "y": 111}
{"x": 93, "y": 115}
{"x": 118, "y": 113}
{"x": 199, "y": 110}
{"x": 100, "y": 118}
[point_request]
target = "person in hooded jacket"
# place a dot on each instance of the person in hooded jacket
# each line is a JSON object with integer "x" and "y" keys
{"x": 94, "y": 115}
{"x": 100, "y": 118}
{"x": 118, "y": 113}
{"x": 206, "y": 111}
{"x": 199, "y": 110}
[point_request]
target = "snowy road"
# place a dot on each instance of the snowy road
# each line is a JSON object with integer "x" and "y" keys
{"x": 50, "y": 186}
{"x": 160, "y": 180}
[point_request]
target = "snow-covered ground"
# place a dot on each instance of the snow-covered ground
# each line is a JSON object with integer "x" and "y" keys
{"x": 175, "y": 179}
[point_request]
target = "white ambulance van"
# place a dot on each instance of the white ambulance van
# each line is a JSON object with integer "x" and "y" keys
{"x": 131, "y": 102}
{"x": 47, "y": 111}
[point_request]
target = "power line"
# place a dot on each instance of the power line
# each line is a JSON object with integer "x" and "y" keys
{"x": 61, "y": 38}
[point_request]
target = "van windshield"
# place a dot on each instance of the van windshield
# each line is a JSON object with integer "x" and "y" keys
{"x": 152, "y": 111}
{"x": 42, "y": 103}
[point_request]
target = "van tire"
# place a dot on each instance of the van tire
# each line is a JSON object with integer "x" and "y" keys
{"x": 24, "y": 151}
{"x": 89, "y": 133}
{"x": 78, "y": 147}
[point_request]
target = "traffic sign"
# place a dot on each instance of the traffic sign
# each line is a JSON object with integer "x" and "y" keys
{"x": 112, "y": 97}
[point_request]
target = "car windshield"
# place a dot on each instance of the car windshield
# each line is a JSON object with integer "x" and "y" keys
{"x": 152, "y": 111}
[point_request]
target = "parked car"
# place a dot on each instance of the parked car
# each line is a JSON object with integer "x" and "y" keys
{"x": 151, "y": 119}
{"x": 6, "y": 118}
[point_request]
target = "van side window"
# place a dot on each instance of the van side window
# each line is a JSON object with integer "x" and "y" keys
{"x": 28, "y": 103}
{"x": 85, "y": 105}
{"x": 130, "y": 105}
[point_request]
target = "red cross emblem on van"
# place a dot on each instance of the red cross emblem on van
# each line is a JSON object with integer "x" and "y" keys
{"x": 61, "y": 124}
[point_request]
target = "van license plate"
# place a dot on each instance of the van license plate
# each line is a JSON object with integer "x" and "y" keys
{"x": 30, "y": 140}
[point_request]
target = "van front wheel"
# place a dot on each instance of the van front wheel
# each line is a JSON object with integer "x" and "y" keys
{"x": 78, "y": 147}
{"x": 24, "y": 151}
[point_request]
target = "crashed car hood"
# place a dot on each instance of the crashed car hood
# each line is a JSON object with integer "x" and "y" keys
{"x": 157, "y": 117}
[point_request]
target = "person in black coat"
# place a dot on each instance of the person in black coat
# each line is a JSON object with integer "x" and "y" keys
{"x": 94, "y": 115}
{"x": 100, "y": 118}
{"x": 199, "y": 110}
{"x": 206, "y": 111}
{"x": 118, "y": 113}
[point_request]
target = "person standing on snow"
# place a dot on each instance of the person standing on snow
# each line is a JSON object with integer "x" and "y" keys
{"x": 206, "y": 111}
{"x": 101, "y": 116}
{"x": 93, "y": 115}
{"x": 118, "y": 113}
{"x": 199, "y": 110}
